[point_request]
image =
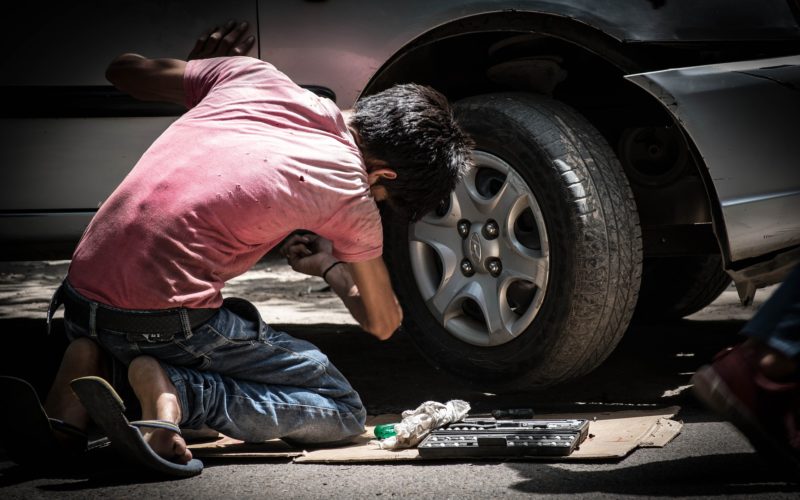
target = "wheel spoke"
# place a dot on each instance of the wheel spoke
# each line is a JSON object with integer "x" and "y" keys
{"x": 444, "y": 301}
{"x": 463, "y": 204}
{"x": 491, "y": 303}
{"x": 526, "y": 265}
{"x": 436, "y": 233}
{"x": 503, "y": 201}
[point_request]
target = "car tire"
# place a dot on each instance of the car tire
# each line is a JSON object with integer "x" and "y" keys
{"x": 572, "y": 218}
{"x": 675, "y": 287}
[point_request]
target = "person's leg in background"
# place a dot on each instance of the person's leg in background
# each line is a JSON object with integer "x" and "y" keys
{"x": 756, "y": 384}
{"x": 777, "y": 327}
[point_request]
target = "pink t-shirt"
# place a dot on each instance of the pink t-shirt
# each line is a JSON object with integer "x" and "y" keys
{"x": 255, "y": 158}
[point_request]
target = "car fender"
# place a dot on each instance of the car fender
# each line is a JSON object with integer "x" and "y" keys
{"x": 742, "y": 119}
{"x": 348, "y": 41}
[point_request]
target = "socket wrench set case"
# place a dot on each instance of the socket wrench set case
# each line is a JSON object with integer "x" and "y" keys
{"x": 490, "y": 437}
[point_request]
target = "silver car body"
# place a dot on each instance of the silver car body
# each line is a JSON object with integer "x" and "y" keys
{"x": 57, "y": 170}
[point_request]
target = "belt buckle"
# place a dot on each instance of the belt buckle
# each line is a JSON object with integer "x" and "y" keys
{"x": 154, "y": 338}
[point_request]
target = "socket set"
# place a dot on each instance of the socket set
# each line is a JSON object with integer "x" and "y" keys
{"x": 489, "y": 437}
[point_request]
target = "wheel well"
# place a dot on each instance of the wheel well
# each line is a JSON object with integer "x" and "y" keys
{"x": 584, "y": 68}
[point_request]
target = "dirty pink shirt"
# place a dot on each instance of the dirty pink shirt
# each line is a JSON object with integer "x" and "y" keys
{"x": 255, "y": 158}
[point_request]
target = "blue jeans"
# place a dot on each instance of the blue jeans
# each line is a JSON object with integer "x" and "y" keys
{"x": 777, "y": 323}
{"x": 240, "y": 377}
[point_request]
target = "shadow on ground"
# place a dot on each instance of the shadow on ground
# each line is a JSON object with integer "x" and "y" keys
{"x": 708, "y": 475}
{"x": 651, "y": 366}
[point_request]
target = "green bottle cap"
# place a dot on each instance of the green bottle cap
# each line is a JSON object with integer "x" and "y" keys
{"x": 384, "y": 431}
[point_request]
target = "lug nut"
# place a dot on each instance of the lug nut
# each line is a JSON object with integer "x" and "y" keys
{"x": 495, "y": 267}
{"x": 491, "y": 230}
{"x": 467, "y": 268}
{"x": 463, "y": 228}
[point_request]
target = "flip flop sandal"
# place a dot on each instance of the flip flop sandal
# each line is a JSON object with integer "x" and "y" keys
{"x": 28, "y": 434}
{"x": 106, "y": 408}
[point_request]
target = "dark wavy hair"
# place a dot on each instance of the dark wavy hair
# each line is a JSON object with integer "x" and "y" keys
{"x": 411, "y": 128}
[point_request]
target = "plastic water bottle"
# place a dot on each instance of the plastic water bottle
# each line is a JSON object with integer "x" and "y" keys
{"x": 384, "y": 431}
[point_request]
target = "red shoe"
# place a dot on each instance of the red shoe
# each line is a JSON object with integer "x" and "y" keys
{"x": 765, "y": 411}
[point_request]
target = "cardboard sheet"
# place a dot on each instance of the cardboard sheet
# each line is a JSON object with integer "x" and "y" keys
{"x": 233, "y": 448}
{"x": 611, "y": 435}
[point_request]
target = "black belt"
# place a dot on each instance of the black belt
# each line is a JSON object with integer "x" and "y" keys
{"x": 150, "y": 325}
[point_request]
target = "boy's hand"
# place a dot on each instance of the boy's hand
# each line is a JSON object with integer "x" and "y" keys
{"x": 364, "y": 287}
{"x": 228, "y": 40}
{"x": 308, "y": 254}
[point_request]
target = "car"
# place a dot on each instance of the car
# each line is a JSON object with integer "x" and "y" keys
{"x": 632, "y": 157}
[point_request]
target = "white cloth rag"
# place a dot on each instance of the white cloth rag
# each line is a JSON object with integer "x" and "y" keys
{"x": 417, "y": 424}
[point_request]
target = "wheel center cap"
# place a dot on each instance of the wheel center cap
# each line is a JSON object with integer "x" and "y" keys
{"x": 475, "y": 247}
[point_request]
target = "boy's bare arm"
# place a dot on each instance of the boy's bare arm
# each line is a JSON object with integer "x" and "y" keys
{"x": 366, "y": 289}
{"x": 148, "y": 79}
{"x": 162, "y": 79}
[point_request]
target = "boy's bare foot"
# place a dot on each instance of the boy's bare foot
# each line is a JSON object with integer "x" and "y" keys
{"x": 82, "y": 358}
{"x": 159, "y": 401}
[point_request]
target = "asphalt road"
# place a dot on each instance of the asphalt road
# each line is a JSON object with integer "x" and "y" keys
{"x": 651, "y": 368}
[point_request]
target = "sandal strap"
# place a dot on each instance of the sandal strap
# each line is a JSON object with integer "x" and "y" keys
{"x": 158, "y": 424}
{"x": 69, "y": 429}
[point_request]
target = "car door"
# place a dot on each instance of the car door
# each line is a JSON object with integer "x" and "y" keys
{"x": 67, "y": 137}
